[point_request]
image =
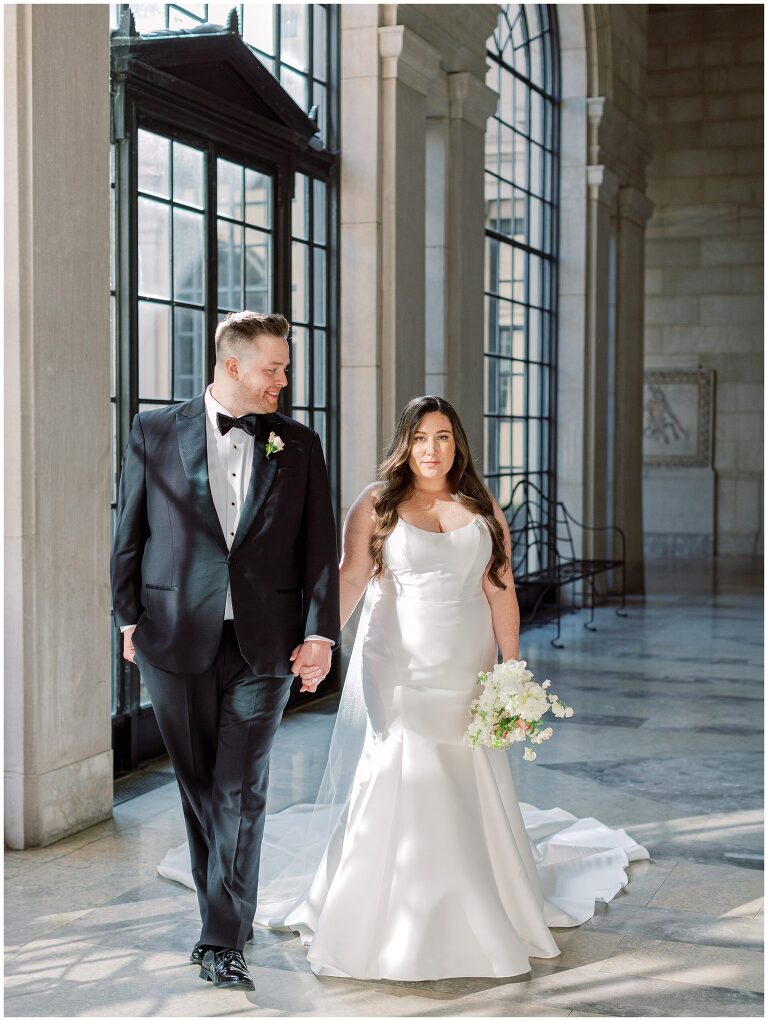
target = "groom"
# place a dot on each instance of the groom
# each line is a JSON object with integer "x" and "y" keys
{"x": 225, "y": 585}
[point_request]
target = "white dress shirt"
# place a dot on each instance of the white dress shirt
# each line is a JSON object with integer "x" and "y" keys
{"x": 230, "y": 457}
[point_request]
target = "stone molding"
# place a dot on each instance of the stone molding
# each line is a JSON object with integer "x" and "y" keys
{"x": 617, "y": 141}
{"x": 408, "y": 58}
{"x": 470, "y": 99}
{"x": 602, "y": 183}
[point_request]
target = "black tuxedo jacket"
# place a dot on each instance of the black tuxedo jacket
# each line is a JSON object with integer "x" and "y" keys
{"x": 170, "y": 564}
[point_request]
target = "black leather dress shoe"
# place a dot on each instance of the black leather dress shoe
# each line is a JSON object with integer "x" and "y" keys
{"x": 226, "y": 968}
{"x": 197, "y": 955}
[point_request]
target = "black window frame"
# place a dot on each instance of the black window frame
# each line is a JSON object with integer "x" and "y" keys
{"x": 280, "y": 141}
{"x": 546, "y": 193}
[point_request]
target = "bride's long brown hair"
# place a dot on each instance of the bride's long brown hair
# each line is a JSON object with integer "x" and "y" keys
{"x": 463, "y": 480}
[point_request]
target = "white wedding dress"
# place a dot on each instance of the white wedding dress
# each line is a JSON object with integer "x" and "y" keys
{"x": 417, "y": 861}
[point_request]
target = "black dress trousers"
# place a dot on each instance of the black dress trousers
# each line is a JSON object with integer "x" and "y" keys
{"x": 218, "y": 727}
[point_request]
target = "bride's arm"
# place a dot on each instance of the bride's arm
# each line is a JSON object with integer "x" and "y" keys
{"x": 356, "y": 562}
{"x": 505, "y": 612}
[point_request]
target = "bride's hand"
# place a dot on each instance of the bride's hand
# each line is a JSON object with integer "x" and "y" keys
{"x": 524, "y": 725}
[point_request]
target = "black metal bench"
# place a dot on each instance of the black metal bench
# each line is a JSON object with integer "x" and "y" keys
{"x": 544, "y": 557}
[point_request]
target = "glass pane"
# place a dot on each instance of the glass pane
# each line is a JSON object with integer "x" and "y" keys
{"x": 188, "y": 175}
{"x": 230, "y": 189}
{"x": 534, "y": 438}
{"x": 537, "y": 61}
{"x": 534, "y": 389}
{"x": 154, "y": 245}
{"x": 534, "y": 280}
{"x": 154, "y": 164}
{"x": 257, "y": 271}
{"x": 230, "y": 246}
{"x": 505, "y": 327}
{"x": 520, "y": 169}
{"x": 301, "y": 416}
{"x": 537, "y": 116}
{"x": 187, "y": 353}
{"x": 321, "y": 427}
{"x": 537, "y": 169}
{"x": 505, "y": 491}
{"x": 506, "y": 192}
{"x": 536, "y": 225}
{"x": 518, "y": 444}
{"x": 294, "y": 35}
{"x": 258, "y": 199}
{"x": 519, "y": 226}
{"x": 319, "y": 212}
{"x": 296, "y": 87}
{"x": 492, "y": 385}
{"x": 257, "y": 26}
{"x": 320, "y": 98}
{"x": 517, "y": 389}
{"x": 506, "y": 152}
{"x": 535, "y": 317}
{"x": 320, "y": 55}
{"x": 299, "y": 289}
{"x": 504, "y": 84}
{"x": 188, "y": 256}
{"x": 492, "y": 145}
{"x": 318, "y": 311}
{"x": 300, "y": 207}
{"x": 491, "y": 324}
{"x": 520, "y": 104}
{"x": 300, "y": 365}
{"x": 517, "y": 331}
{"x": 505, "y": 271}
{"x": 180, "y": 20}
{"x": 217, "y": 14}
{"x": 491, "y": 202}
{"x": 319, "y": 350}
{"x": 154, "y": 351}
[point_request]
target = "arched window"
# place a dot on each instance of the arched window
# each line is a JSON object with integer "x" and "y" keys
{"x": 224, "y": 184}
{"x": 521, "y": 251}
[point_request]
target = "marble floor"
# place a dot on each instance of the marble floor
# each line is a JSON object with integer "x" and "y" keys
{"x": 666, "y": 742}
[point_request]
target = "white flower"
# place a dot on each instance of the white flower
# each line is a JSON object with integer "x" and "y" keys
{"x": 546, "y": 684}
{"x": 274, "y": 444}
{"x": 529, "y": 754}
{"x": 568, "y": 711}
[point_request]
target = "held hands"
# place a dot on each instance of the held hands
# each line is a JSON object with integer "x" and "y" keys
{"x": 129, "y": 652}
{"x": 312, "y": 661}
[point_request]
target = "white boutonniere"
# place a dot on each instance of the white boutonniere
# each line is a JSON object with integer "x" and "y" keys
{"x": 274, "y": 444}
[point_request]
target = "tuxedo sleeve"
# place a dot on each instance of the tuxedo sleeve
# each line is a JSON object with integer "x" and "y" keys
{"x": 321, "y": 564}
{"x": 131, "y": 530}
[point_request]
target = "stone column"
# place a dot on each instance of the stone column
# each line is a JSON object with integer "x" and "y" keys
{"x": 58, "y": 775}
{"x": 408, "y": 67}
{"x": 360, "y": 251}
{"x": 602, "y": 189}
{"x": 634, "y": 210}
{"x": 471, "y": 103}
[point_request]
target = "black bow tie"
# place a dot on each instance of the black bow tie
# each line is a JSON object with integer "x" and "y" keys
{"x": 248, "y": 423}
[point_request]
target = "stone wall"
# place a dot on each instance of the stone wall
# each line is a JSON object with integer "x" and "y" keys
{"x": 703, "y": 304}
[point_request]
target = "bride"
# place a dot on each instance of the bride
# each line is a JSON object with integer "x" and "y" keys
{"x": 416, "y": 861}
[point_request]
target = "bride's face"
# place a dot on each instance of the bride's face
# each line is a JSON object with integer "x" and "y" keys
{"x": 433, "y": 448}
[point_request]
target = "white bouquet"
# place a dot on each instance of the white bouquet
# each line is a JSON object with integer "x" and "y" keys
{"x": 511, "y": 708}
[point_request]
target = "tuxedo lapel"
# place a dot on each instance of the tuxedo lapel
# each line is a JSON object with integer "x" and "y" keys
{"x": 193, "y": 447}
{"x": 263, "y": 471}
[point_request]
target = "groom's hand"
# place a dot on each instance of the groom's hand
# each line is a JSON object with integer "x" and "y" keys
{"x": 311, "y": 660}
{"x": 129, "y": 652}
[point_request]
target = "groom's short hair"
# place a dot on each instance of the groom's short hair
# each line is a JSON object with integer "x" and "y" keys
{"x": 239, "y": 331}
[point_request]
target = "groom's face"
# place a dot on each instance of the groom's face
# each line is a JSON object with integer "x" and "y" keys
{"x": 262, "y": 374}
